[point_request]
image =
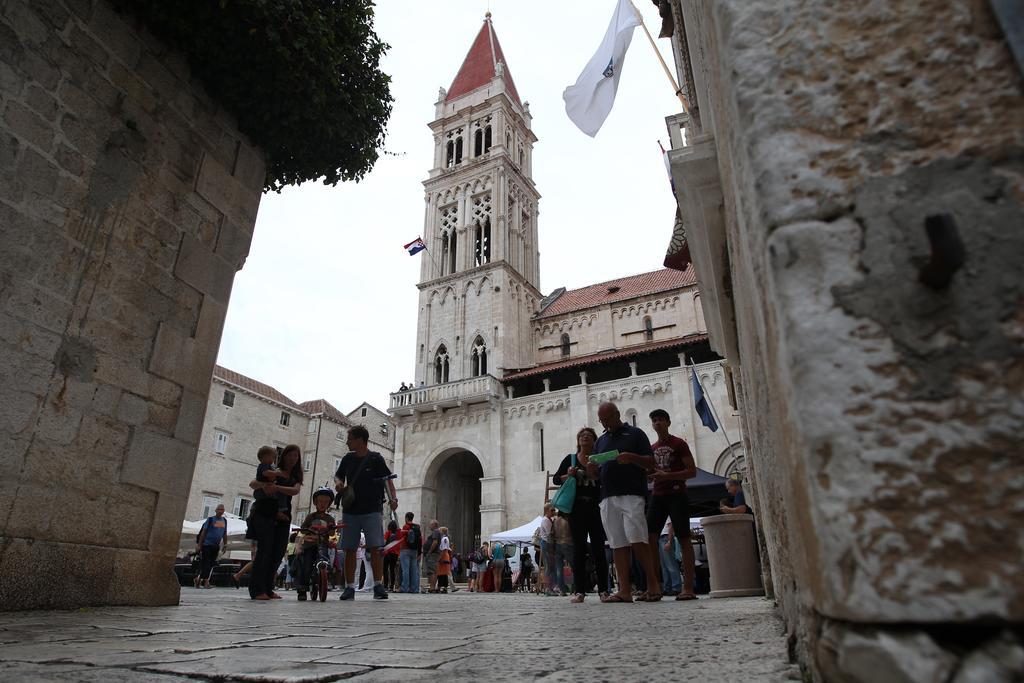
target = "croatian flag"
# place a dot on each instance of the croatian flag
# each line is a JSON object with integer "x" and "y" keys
{"x": 416, "y": 246}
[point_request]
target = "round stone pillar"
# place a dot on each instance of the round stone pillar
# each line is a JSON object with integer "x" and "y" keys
{"x": 732, "y": 556}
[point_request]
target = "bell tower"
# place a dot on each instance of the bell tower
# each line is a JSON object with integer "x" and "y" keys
{"x": 479, "y": 280}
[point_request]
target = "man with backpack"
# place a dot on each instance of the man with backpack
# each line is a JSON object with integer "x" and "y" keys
{"x": 211, "y": 536}
{"x": 409, "y": 556}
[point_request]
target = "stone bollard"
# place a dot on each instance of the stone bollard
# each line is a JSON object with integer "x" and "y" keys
{"x": 732, "y": 556}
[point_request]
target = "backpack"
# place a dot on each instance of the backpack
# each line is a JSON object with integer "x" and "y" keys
{"x": 414, "y": 538}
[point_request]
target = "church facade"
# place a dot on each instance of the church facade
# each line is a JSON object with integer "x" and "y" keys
{"x": 506, "y": 376}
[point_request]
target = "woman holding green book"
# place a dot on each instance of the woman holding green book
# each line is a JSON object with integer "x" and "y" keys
{"x": 585, "y": 516}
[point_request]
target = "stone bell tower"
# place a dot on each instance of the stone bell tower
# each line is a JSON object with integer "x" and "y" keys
{"x": 479, "y": 280}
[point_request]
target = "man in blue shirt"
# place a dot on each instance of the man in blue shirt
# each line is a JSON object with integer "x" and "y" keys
{"x": 738, "y": 503}
{"x": 623, "y": 493}
{"x": 213, "y": 534}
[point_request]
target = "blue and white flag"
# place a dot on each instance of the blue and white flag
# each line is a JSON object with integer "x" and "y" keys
{"x": 700, "y": 402}
{"x": 590, "y": 100}
{"x": 416, "y": 246}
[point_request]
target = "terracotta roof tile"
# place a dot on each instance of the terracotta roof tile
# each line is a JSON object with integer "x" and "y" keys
{"x": 603, "y": 356}
{"x": 254, "y": 386}
{"x": 323, "y": 406}
{"x": 478, "y": 68}
{"x": 619, "y": 290}
{"x": 317, "y": 406}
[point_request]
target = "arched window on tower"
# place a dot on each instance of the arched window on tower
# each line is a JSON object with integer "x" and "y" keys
{"x": 478, "y": 358}
{"x": 478, "y": 143}
{"x": 445, "y": 253}
{"x": 441, "y": 365}
{"x": 452, "y": 241}
{"x": 648, "y": 329}
{"x": 458, "y": 150}
{"x": 487, "y": 139}
{"x": 482, "y": 243}
{"x": 565, "y": 345}
{"x": 450, "y": 156}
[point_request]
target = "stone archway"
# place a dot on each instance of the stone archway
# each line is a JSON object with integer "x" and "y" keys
{"x": 453, "y": 479}
{"x": 732, "y": 461}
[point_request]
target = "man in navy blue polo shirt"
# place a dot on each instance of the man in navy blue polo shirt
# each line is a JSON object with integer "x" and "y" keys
{"x": 623, "y": 491}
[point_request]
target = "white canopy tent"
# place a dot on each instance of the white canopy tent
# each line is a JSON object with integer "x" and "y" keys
{"x": 521, "y": 534}
{"x": 524, "y": 533}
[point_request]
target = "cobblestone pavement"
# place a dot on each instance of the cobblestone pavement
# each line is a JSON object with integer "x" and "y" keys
{"x": 219, "y": 634}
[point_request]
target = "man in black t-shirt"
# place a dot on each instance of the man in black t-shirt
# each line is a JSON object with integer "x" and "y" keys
{"x": 362, "y": 477}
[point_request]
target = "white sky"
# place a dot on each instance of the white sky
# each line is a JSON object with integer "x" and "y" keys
{"x": 325, "y": 306}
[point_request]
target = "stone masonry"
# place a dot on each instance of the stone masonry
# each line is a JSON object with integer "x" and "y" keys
{"x": 127, "y": 203}
{"x": 882, "y": 414}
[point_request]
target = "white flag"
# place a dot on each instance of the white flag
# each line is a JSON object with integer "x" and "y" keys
{"x": 590, "y": 100}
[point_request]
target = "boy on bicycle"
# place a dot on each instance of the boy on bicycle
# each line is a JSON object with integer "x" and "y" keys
{"x": 316, "y": 530}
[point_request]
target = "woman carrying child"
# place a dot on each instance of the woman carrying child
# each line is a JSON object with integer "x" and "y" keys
{"x": 270, "y": 521}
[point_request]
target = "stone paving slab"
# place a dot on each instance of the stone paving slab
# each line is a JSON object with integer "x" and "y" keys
{"x": 219, "y": 634}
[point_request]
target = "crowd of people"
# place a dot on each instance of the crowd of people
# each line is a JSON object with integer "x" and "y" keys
{"x": 629, "y": 512}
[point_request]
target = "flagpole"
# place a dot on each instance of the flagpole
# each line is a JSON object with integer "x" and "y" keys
{"x": 432, "y": 259}
{"x": 668, "y": 73}
{"x": 711, "y": 404}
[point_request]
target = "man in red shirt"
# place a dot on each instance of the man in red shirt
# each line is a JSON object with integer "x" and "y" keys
{"x": 673, "y": 465}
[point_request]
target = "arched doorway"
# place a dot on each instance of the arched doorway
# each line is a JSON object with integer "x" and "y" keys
{"x": 456, "y": 485}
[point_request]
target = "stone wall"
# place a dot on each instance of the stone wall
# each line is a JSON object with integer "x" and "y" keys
{"x": 614, "y": 326}
{"x": 883, "y": 414}
{"x": 127, "y": 202}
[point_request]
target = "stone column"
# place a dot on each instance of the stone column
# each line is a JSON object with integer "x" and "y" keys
{"x": 123, "y": 226}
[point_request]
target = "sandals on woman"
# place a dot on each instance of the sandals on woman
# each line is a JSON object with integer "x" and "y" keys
{"x": 578, "y": 598}
{"x": 649, "y": 597}
{"x": 686, "y": 596}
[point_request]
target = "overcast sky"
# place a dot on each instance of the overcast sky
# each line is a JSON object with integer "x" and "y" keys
{"x": 325, "y": 306}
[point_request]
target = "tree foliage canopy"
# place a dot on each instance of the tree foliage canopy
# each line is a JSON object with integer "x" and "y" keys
{"x": 302, "y": 77}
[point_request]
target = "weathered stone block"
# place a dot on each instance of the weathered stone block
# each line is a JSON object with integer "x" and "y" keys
{"x": 118, "y": 36}
{"x": 233, "y": 243}
{"x": 190, "y": 418}
{"x": 85, "y": 45}
{"x": 41, "y": 102}
{"x": 225, "y": 192}
{"x": 199, "y": 267}
{"x": 158, "y": 462}
{"x": 870, "y": 656}
{"x": 26, "y": 24}
{"x": 28, "y": 126}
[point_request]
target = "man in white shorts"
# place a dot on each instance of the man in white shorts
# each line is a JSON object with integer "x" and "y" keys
{"x": 623, "y": 491}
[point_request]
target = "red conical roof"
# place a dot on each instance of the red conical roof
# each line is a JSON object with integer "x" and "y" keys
{"x": 479, "y": 67}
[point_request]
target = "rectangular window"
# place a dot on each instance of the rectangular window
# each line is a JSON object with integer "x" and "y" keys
{"x": 363, "y": 414}
{"x": 311, "y": 427}
{"x": 229, "y": 398}
{"x": 307, "y": 464}
{"x": 285, "y": 419}
{"x": 242, "y": 506}
{"x": 220, "y": 442}
{"x": 210, "y": 503}
{"x": 340, "y": 436}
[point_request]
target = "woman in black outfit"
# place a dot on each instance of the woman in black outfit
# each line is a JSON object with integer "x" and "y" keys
{"x": 270, "y": 522}
{"x": 585, "y": 518}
